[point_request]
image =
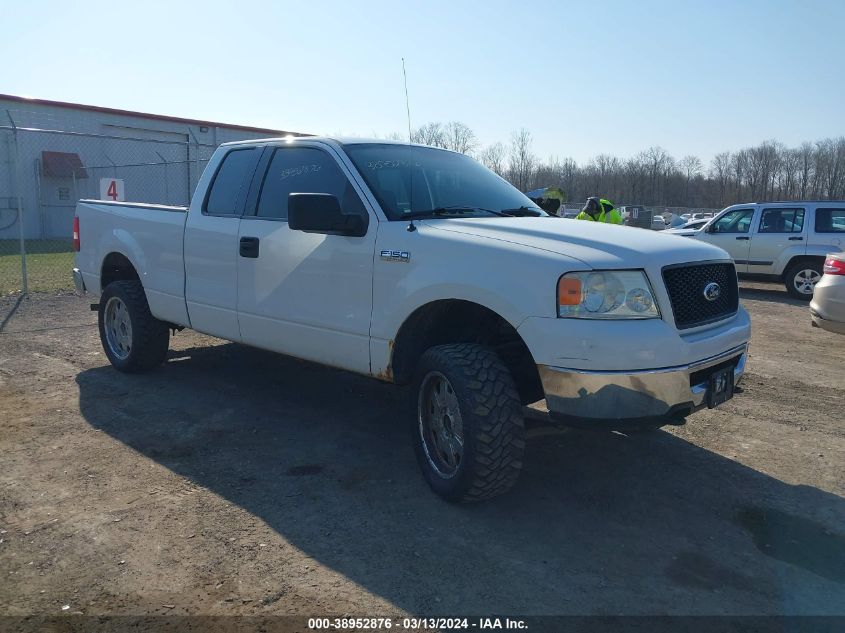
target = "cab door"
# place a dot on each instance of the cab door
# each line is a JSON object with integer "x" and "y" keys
{"x": 778, "y": 230}
{"x": 732, "y": 233}
{"x": 211, "y": 245}
{"x": 305, "y": 294}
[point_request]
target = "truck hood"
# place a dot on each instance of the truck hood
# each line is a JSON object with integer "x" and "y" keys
{"x": 595, "y": 245}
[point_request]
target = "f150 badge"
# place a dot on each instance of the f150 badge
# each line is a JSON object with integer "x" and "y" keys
{"x": 396, "y": 256}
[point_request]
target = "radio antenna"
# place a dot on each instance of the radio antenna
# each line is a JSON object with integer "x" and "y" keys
{"x": 407, "y": 101}
{"x": 411, "y": 226}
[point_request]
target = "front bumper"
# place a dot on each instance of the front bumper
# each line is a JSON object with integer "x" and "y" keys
{"x": 78, "y": 281}
{"x": 655, "y": 395}
{"x": 837, "y": 327}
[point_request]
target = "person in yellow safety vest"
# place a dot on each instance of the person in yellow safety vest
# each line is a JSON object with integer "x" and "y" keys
{"x": 600, "y": 210}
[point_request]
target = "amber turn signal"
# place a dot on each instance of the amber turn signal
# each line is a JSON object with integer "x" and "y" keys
{"x": 568, "y": 291}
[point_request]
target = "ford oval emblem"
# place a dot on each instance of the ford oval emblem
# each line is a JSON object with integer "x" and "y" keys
{"x": 712, "y": 291}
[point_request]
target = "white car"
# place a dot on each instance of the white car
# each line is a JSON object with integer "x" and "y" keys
{"x": 690, "y": 226}
{"x": 419, "y": 266}
{"x": 783, "y": 241}
{"x": 827, "y": 309}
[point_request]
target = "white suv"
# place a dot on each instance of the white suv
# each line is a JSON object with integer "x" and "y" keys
{"x": 786, "y": 241}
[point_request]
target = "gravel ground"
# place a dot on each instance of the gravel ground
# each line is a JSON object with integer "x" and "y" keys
{"x": 235, "y": 481}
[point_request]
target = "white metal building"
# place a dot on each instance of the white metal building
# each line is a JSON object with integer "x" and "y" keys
{"x": 67, "y": 151}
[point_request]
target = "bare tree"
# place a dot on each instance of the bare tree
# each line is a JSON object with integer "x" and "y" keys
{"x": 690, "y": 167}
{"x": 493, "y": 157}
{"x": 568, "y": 173}
{"x": 549, "y": 174}
{"x": 653, "y": 177}
{"x": 805, "y": 169}
{"x": 430, "y": 134}
{"x": 720, "y": 171}
{"x": 522, "y": 161}
{"x": 740, "y": 160}
{"x": 830, "y": 164}
{"x": 657, "y": 162}
{"x": 459, "y": 137}
{"x": 787, "y": 176}
{"x": 837, "y": 183}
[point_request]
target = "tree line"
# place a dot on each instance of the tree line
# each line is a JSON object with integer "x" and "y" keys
{"x": 653, "y": 177}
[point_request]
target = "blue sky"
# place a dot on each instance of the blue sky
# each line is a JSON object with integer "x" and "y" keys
{"x": 583, "y": 77}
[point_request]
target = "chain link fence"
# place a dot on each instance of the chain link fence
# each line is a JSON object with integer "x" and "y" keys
{"x": 43, "y": 172}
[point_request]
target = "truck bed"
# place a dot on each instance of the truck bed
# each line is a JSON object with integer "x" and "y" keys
{"x": 150, "y": 236}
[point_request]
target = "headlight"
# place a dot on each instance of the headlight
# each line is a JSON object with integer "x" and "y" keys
{"x": 606, "y": 294}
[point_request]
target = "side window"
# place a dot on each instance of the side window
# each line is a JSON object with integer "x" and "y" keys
{"x": 230, "y": 182}
{"x": 830, "y": 220}
{"x": 303, "y": 170}
{"x": 738, "y": 221}
{"x": 782, "y": 221}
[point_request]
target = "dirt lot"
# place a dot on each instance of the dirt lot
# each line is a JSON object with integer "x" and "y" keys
{"x": 233, "y": 481}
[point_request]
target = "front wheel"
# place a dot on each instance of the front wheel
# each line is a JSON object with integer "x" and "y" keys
{"x": 133, "y": 339}
{"x": 801, "y": 279}
{"x": 469, "y": 436}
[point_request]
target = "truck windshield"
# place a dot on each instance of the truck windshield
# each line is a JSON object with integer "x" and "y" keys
{"x": 413, "y": 182}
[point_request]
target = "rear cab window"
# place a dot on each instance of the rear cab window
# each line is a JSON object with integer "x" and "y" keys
{"x": 830, "y": 220}
{"x": 228, "y": 190}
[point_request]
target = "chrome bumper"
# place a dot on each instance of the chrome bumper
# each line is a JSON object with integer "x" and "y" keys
{"x": 78, "y": 281}
{"x": 666, "y": 393}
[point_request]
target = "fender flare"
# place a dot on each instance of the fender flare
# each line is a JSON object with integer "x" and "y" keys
{"x": 124, "y": 243}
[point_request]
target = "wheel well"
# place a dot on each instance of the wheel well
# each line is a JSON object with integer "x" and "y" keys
{"x": 117, "y": 267}
{"x": 801, "y": 258}
{"x": 457, "y": 321}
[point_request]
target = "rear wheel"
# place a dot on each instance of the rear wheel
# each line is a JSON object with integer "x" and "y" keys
{"x": 801, "y": 279}
{"x": 133, "y": 339}
{"x": 469, "y": 436}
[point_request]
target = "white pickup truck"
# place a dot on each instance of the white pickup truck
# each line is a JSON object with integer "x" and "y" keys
{"x": 419, "y": 266}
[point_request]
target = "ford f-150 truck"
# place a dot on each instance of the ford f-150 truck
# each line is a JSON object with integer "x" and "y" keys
{"x": 418, "y": 266}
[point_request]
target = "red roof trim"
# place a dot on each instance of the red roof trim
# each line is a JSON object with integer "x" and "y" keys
{"x": 145, "y": 115}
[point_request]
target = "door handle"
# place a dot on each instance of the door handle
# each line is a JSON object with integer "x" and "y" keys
{"x": 743, "y": 238}
{"x": 795, "y": 239}
{"x": 249, "y": 247}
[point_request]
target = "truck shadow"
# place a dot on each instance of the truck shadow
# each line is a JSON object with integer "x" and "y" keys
{"x": 597, "y": 520}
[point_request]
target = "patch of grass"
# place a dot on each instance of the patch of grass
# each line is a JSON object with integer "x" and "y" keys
{"x": 49, "y": 265}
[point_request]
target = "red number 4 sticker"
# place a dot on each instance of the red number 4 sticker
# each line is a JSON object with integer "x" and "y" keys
{"x": 111, "y": 189}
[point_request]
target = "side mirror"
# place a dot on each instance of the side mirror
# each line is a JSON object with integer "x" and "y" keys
{"x": 321, "y": 213}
